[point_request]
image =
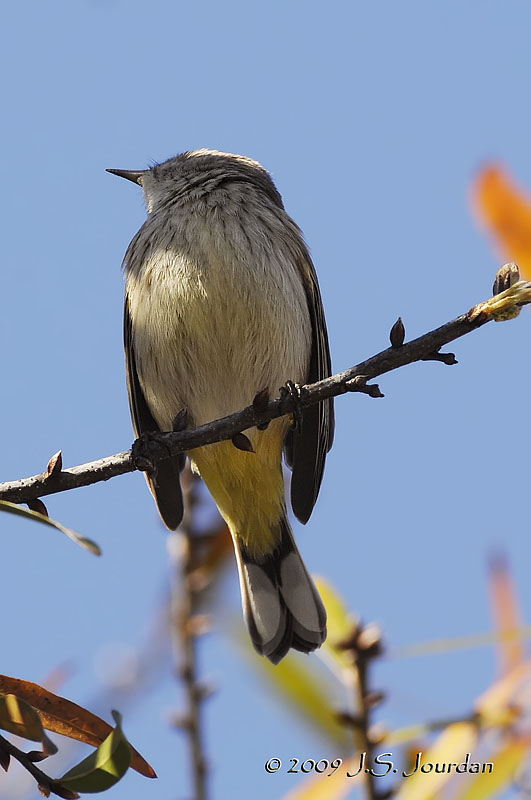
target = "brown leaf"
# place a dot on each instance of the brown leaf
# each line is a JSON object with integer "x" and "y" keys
{"x": 55, "y": 464}
{"x": 67, "y": 718}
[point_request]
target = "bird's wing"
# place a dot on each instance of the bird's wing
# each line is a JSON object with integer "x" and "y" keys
{"x": 306, "y": 447}
{"x": 165, "y": 487}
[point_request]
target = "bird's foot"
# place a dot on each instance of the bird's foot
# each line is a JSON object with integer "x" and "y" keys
{"x": 293, "y": 391}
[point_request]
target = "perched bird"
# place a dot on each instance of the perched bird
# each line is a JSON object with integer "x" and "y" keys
{"x": 222, "y": 301}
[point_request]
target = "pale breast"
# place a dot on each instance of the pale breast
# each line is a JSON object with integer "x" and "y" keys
{"x": 215, "y": 323}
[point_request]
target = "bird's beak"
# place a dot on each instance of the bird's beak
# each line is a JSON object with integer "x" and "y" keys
{"x": 129, "y": 174}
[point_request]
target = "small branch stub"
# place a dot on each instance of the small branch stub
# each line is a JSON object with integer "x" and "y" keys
{"x": 397, "y": 334}
{"x": 242, "y": 442}
{"x": 359, "y": 384}
{"x": 37, "y": 505}
{"x": 507, "y": 304}
{"x": 261, "y": 399}
{"x": 506, "y": 277}
{"x": 444, "y": 358}
{"x": 180, "y": 420}
{"x": 55, "y": 464}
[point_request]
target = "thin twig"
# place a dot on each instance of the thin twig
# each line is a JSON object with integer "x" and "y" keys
{"x": 421, "y": 729}
{"x": 363, "y": 645}
{"x": 48, "y": 784}
{"x": 363, "y": 730}
{"x": 188, "y": 624}
{"x": 499, "y": 307}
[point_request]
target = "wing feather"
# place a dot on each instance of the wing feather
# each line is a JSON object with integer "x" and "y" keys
{"x": 306, "y": 449}
{"x": 167, "y": 488}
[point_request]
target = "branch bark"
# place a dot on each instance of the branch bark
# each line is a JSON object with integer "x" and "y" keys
{"x": 503, "y": 306}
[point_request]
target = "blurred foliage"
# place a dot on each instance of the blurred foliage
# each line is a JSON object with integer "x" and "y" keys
{"x": 96, "y": 773}
{"x": 37, "y": 516}
{"x": 498, "y": 728}
{"x": 505, "y": 211}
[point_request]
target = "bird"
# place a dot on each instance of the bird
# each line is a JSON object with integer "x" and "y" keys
{"x": 221, "y": 302}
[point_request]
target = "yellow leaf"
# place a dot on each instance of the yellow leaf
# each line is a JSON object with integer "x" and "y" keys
{"x": 450, "y": 747}
{"x": 489, "y": 784}
{"x": 303, "y": 688}
{"x": 339, "y": 623}
{"x": 331, "y": 785}
{"x": 20, "y": 718}
{"x": 504, "y": 693}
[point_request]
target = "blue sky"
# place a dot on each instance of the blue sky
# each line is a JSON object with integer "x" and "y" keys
{"x": 373, "y": 119}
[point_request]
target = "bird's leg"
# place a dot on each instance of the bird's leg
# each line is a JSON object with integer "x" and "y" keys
{"x": 149, "y": 444}
{"x": 293, "y": 391}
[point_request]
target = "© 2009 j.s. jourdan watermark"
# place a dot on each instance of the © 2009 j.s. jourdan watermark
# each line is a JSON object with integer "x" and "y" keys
{"x": 383, "y": 765}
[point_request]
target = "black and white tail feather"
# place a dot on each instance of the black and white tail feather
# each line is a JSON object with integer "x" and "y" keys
{"x": 281, "y": 606}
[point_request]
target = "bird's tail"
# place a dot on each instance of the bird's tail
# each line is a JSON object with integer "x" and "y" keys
{"x": 281, "y": 606}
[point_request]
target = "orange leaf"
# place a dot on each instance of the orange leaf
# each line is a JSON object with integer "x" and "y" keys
{"x": 505, "y": 209}
{"x": 506, "y": 613}
{"x": 62, "y": 716}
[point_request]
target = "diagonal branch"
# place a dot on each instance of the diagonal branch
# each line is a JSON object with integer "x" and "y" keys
{"x": 503, "y": 306}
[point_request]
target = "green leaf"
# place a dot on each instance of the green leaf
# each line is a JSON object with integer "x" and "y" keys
{"x": 13, "y": 508}
{"x": 104, "y": 767}
{"x": 299, "y": 680}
